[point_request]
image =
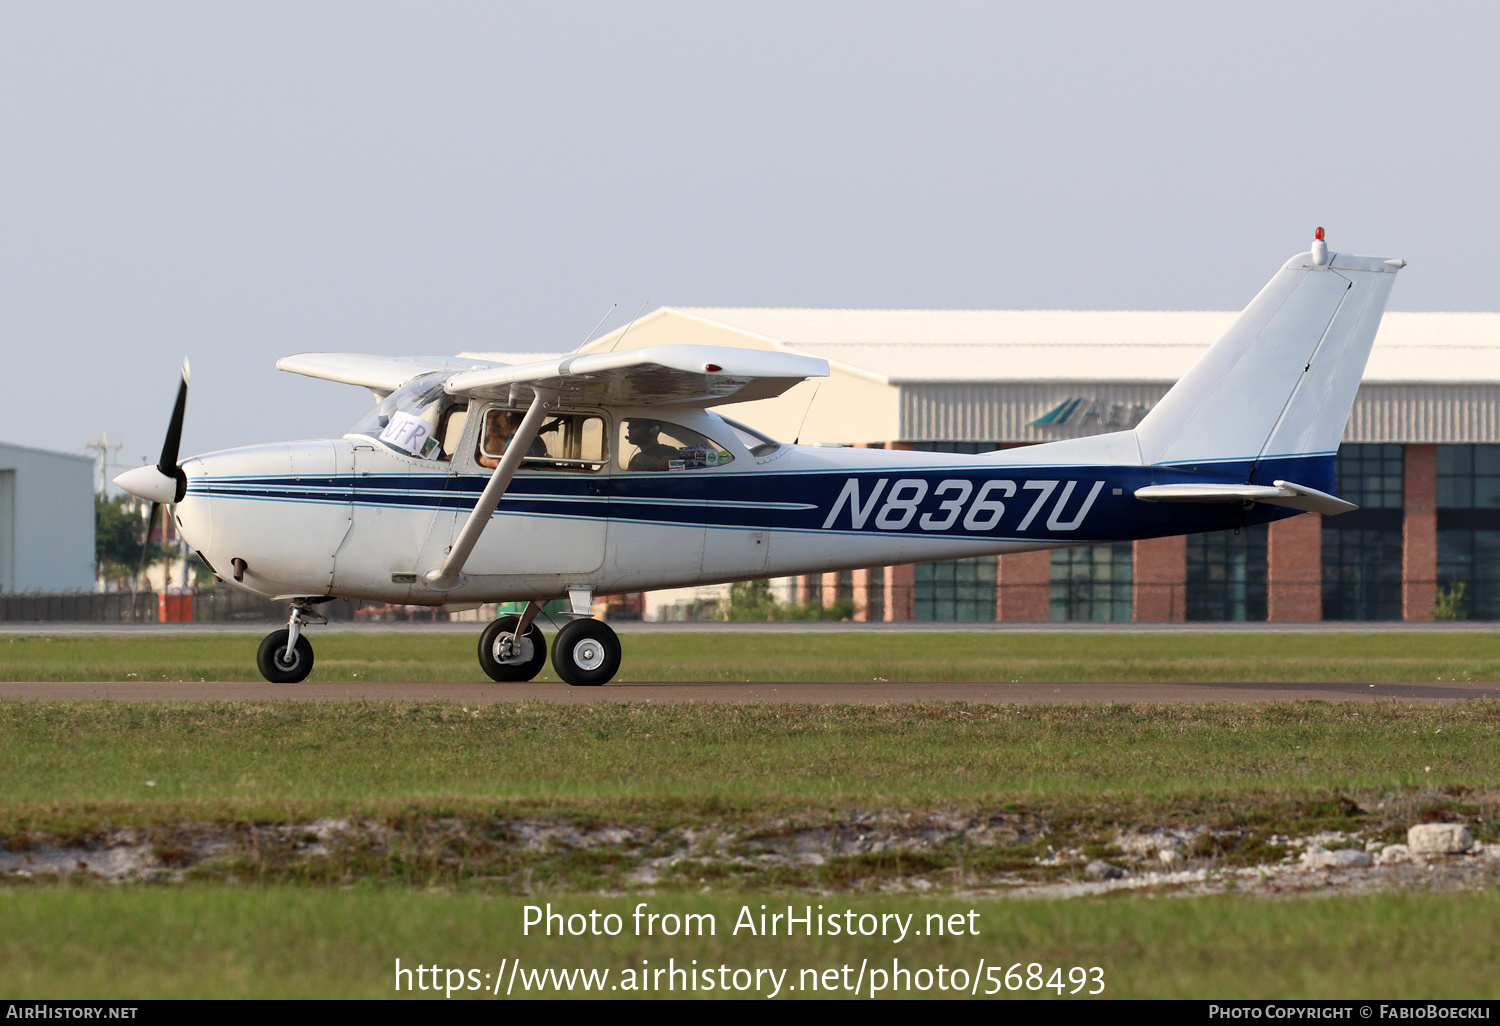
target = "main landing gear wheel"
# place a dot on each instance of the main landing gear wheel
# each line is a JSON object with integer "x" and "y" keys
{"x": 507, "y": 658}
{"x": 586, "y": 653}
{"x": 280, "y": 666}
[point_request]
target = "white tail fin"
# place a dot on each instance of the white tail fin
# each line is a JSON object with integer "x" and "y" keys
{"x": 1281, "y": 380}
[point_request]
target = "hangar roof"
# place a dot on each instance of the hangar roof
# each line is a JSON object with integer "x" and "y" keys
{"x": 987, "y": 375}
{"x": 897, "y": 346}
{"x": 1128, "y": 346}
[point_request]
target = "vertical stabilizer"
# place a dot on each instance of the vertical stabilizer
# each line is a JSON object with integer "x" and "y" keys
{"x": 1282, "y": 379}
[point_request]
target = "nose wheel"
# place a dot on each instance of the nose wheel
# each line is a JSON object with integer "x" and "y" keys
{"x": 281, "y": 663}
{"x": 286, "y": 656}
{"x": 586, "y": 653}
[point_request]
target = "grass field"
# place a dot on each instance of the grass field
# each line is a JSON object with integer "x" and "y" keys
{"x": 1391, "y": 658}
{"x": 334, "y": 757}
{"x": 284, "y": 942}
{"x": 436, "y": 791}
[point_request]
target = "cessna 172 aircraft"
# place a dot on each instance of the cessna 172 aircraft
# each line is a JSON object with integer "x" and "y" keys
{"x": 601, "y": 473}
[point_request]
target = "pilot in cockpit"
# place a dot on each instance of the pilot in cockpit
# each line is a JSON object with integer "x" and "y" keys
{"x": 654, "y": 454}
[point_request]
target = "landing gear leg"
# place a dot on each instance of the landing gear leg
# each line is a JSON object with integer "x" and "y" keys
{"x": 586, "y": 653}
{"x": 286, "y": 656}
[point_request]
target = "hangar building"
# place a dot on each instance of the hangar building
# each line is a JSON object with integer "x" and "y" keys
{"x": 1420, "y": 456}
{"x": 46, "y": 521}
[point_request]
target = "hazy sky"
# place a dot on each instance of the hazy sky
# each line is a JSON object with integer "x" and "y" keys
{"x": 240, "y": 181}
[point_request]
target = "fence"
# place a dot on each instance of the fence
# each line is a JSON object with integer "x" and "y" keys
{"x": 212, "y": 605}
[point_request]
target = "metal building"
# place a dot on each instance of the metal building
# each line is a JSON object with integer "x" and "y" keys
{"x": 46, "y": 521}
{"x": 1421, "y": 457}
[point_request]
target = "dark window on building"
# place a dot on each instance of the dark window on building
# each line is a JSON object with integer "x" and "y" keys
{"x": 1371, "y": 476}
{"x": 875, "y": 595}
{"x": 955, "y": 589}
{"x": 1361, "y": 574}
{"x": 1468, "y": 501}
{"x": 1471, "y": 558}
{"x": 1092, "y": 582}
{"x": 1226, "y": 575}
{"x": 1362, "y": 549}
{"x": 969, "y": 448}
{"x": 1468, "y": 477}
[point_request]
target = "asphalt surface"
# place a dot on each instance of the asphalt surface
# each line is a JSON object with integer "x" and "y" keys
{"x": 813, "y": 693}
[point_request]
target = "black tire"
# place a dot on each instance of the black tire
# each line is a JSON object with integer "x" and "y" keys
{"x": 512, "y": 672}
{"x": 586, "y": 653}
{"x": 273, "y": 661}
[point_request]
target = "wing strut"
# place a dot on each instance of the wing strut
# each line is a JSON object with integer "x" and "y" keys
{"x": 450, "y": 574}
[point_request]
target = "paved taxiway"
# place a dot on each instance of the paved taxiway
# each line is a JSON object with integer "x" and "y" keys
{"x": 723, "y": 692}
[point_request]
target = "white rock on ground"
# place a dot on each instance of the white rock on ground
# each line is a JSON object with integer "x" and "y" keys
{"x": 1393, "y": 853}
{"x": 1318, "y": 857}
{"x": 1439, "y": 839}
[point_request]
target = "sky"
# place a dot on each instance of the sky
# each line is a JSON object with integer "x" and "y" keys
{"x": 236, "y": 182}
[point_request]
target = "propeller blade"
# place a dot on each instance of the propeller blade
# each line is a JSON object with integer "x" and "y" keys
{"x": 168, "y": 462}
{"x": 164, "y": 482}
{"x": 145, "y": 550}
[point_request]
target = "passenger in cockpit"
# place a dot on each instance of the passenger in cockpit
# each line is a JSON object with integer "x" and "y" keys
{"x": 499, "y": 425}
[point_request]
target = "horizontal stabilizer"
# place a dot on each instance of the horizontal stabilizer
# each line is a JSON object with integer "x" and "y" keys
{"x": 1283, "y": 493}
{"x": 652, "y": 376}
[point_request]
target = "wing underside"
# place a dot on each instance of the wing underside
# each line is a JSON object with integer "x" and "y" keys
{"x": 380, "y": 374}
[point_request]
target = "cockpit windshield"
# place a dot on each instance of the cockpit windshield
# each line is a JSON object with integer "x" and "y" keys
{"x": 410, "y": 419}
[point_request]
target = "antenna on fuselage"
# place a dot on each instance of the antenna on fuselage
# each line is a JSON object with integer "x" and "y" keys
{"x": 805, "y": 412}
{"x": 628, "y": 327}
{"x": 596, "y": 327}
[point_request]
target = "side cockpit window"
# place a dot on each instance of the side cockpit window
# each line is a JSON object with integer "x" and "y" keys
{"x": 567, "y": 441}
{"x": 647, "y": 444}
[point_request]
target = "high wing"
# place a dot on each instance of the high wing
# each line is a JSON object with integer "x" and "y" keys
{"x": 380, "y": 374}
{"x": 652, "y": 376}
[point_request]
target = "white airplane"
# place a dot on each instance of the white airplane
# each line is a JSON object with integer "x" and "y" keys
{"x": 600, "y": 473}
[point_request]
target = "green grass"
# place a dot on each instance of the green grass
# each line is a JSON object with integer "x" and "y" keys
{"x": 1391, "y": 658}
{"x": 289, "y": 759}
{"x": 215, "y": 941}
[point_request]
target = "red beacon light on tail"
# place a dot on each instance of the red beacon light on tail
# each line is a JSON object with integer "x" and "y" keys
{"x": 1319, "y": 249}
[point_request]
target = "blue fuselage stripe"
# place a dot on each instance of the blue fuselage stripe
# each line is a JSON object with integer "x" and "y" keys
{"x": 1027, "y": 503}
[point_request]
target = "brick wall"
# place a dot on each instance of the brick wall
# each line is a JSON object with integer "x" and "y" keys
{"x": 1023, "y": 586}
{"x": 1419, "y": 534}
{"x": 900, "y": 589}
{"x": 1159, "y": 580}
{"x": 1294, "y": 569}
